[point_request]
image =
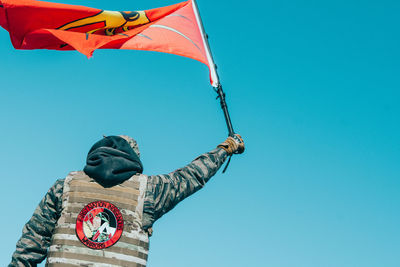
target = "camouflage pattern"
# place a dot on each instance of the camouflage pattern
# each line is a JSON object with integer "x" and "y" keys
{"x": 132, "y": 142}
{"x": 37, "y": 232}
{"x": 163, "y": 192}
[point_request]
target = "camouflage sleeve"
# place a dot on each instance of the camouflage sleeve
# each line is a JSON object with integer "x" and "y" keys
{"x": 36, "y": 234}
{"x": 165, "y": 191}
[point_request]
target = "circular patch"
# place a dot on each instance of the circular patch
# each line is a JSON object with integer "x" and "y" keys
{"x": 99, "y": 225}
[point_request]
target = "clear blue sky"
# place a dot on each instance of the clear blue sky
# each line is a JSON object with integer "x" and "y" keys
{"x": 312, "y": 86}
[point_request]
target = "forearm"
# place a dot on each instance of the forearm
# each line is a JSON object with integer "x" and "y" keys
{"x": 165, "y": 191}
{"x": 199, "y": 171}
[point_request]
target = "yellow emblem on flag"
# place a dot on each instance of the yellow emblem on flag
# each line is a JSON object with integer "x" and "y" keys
{"x": 109, "y": 21}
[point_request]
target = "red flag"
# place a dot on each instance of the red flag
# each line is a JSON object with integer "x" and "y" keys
{"x": 174, "y": 29}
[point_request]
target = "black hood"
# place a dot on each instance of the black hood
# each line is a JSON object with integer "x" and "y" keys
{"x": 111, "y": 161}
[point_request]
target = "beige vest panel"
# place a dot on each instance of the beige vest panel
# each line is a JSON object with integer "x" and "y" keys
{"x": 130, "y": 250}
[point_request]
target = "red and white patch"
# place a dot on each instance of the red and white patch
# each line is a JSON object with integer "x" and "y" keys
{"x": 99, "y": 225}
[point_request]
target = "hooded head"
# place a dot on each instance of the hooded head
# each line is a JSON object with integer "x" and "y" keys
{"x": 112, "y": 160}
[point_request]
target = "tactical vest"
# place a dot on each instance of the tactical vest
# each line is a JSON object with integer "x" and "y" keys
{"x": 100, "y": 226}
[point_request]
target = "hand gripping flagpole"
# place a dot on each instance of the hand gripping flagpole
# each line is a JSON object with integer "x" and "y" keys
{"x": 213, "y": 72}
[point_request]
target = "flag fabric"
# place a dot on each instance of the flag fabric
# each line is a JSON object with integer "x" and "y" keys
{"x": 175, "y": 29}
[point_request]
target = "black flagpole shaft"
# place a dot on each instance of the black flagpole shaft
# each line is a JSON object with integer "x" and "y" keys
{"x": 224, "y": 107}
{"x": 218, "y": 88}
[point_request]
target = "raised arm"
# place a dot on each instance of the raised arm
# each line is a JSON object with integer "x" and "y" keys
{"x": 36, "y": 234}
{"x": 165, "y": 191}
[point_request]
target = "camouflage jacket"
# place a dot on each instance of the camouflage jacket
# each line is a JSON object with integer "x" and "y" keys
{"x": 163, "y": 192}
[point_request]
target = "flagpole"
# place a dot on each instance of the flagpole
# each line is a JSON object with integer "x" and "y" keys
{"x": 224, "y": 107}
{"x": 213, "y": 72}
